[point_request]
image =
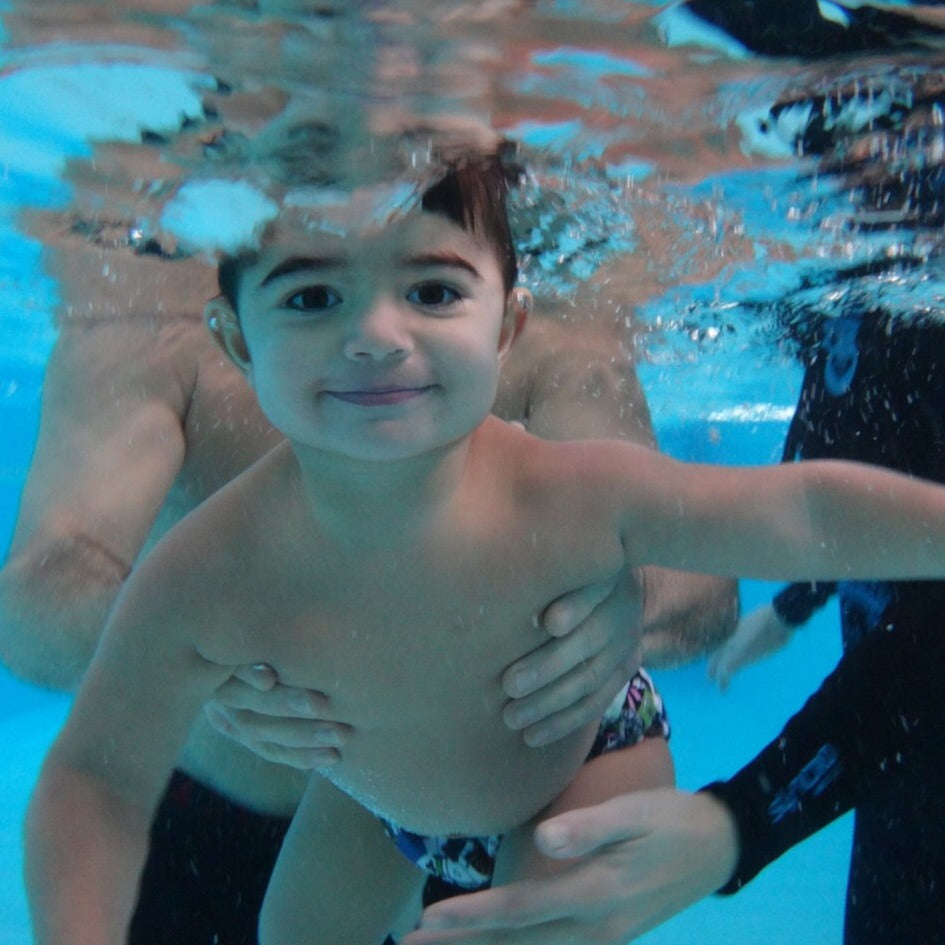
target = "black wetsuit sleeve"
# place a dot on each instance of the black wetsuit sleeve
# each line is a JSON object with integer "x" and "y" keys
{"x": 797, "y": 603}
{"x": 878, "y": 709}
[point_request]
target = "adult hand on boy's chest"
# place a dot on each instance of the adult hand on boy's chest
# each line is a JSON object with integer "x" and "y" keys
{"x": 281, "y": 724}
{"x": 594, "y": 648}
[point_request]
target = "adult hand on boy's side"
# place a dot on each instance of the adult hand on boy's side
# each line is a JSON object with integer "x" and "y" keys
{"x": 569, "y": 681}
{"x": 278, "y": 723}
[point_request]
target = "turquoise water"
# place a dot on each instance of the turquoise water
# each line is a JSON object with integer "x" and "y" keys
{"x": 653, "y": 138}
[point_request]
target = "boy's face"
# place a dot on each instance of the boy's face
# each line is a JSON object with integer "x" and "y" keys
{"x": 382, "y": 343}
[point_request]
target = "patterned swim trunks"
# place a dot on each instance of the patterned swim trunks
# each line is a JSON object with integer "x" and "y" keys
{"x": 468, "y": 862}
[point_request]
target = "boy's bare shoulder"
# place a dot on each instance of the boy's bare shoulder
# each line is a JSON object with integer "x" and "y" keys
{"x": 576, "y": 463}
{"x": 580, "y": 484}
{"x": 202, "y": 558}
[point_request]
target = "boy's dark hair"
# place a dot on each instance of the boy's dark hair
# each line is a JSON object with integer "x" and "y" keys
{"x": 472, "y": 193}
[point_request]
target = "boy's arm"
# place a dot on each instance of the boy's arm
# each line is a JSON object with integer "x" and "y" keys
{"x": 88, "y": 821}
{"x": 109, "y": 447}
{"x": 811, "y": 520}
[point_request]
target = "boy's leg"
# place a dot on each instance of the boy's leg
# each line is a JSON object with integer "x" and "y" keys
{"x": 647, "y": 764}
{"x": 339, "y": 879}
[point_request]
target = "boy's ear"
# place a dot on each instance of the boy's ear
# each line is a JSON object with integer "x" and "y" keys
{"x": 517, "y": 307}
{"x": 225, "y": 328}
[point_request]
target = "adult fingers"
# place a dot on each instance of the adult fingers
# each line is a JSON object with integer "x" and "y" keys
{"x": 260, "y": 676}
{"x": 514, "y": 907}
{"x": 277, "y": 700}
{"x": 579, "y": 905}
{"x": 599, "y": 636}
{"x": 568, "y": 704}
{"x": 300, "y": 743}
{"x": 720, "y": 668}
{"x": 569, "y": 611}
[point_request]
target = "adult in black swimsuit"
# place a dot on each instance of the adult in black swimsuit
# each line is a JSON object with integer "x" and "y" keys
{"x": 870, "y": 737}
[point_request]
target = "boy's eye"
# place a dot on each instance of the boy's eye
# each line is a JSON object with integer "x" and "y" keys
{"x": 313, "y": 298}
{"x": 433, "y": 295}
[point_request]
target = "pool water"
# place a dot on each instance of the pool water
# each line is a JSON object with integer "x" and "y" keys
{"x": 655, "y": 138}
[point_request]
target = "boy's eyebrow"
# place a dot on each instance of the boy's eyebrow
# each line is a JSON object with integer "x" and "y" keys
{"x": 441, "y": 258}
{"x": 302, "y": 264}
{"x": 296, "y": 264}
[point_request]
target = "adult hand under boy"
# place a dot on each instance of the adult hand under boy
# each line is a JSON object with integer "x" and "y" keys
{"x": 637, "y": 859}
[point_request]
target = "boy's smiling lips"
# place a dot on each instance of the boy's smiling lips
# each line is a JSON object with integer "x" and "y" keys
{"x": 386, "y": 396}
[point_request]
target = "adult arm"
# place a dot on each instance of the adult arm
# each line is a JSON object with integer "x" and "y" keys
{"x": 641, "y": 858}
{"x": 109, "y": 446}
{"x": 768, "y": 628}
{"x": 878, "y": 711}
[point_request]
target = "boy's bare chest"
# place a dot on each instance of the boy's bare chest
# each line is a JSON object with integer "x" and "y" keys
{"x": 409, "y": 639}
{"x": 413, "y": 611}
{"x": 458, "y": 602}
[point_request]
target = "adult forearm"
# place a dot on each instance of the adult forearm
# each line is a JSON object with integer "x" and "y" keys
{"x": 685, "y": 615}
{"x": 875, "y": 713}
{"x": 54, "y": 600}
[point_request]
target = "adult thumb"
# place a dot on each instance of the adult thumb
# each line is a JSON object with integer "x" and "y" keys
{"x": 584, "y": 830}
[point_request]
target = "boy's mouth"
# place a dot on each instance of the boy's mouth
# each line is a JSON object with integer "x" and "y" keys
{"x": 379, "y": 396}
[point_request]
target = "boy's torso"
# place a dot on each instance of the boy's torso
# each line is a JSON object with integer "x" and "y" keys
{"x": 409, "y": 640}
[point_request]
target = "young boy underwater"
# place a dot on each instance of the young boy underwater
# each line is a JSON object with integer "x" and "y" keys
{"x": 393, "y": 555}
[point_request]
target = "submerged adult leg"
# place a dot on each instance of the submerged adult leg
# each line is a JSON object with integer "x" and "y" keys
{"x": 207, "y": 871}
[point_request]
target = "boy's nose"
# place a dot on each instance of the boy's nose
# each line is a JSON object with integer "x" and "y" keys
{"x": 377, "y": 334}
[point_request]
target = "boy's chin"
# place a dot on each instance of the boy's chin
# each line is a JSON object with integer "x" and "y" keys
{"x": 381, "y": 448}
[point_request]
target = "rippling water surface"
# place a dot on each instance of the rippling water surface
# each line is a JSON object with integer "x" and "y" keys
{"x": 720, "y": 197}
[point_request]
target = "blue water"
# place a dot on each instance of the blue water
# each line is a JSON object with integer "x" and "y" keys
{"x": 735, "y": 221}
